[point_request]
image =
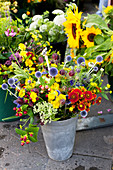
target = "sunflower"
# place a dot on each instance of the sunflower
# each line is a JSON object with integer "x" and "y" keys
{"x": 89, "y": 34}
{"x": 72, "y": 27}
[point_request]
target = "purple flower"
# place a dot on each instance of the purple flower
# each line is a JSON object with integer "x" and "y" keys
{"x": 4, "y": 86}
{"x": 38, "y": 74}
{"x": 53, "y": 71}
{"x": 95, "y": 68}
{"x": 8, "y": 33}
{"x": 68, "y": 58}
{"x": 8, "y": 62}
{"x": 99, "y": 58}
{"x": 83, "y": 113}
{"x": 77, "y": 70}
{"x": 71, "y": 82}
{"x": 11, "y": 81}
{"x": 80, "y": 60}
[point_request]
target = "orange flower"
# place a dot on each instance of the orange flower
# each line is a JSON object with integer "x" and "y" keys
{"x": 73, "y": 97}
{"x": 28, "y": 13}
{"x": 81, "y": 106}
{"x": 88, "y": 95}
{"x": 28, "y": 1}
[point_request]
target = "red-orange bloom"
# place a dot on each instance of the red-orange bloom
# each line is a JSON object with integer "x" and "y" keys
{"x": 98, "y": 101}
{"x": 88, "y": 95}
{"x": 81, "y": 106}
{"x": 79, "y": 92}
{"x": 30, "y": 54}
{"x": 73, "y": 96}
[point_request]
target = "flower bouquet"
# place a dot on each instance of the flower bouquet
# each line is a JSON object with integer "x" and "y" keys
{"x": 51, "y": 91}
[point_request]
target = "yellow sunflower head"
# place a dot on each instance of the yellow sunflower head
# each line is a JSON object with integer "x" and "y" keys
{"x": 72, "y": 27}
{"x": 89, "y": 34}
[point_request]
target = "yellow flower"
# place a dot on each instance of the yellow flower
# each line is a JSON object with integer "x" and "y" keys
{"x": 21, "y": 93}
{"x": 28, "y": 62}
{"x": 33, "y": 96}
{"x": 71, "y": 109}
{"x": 108, "y": 86}
{"x": 23, "y": 54}
{"x": 110, "y": 92}
{"x": 22, "y": 46}
{"x": 108, "y": 9}
{"x": 112, "y": 38}
{"x": 35, "y": 37}
{"x": 72, "y": 27}
{"x": 89, "y": 34}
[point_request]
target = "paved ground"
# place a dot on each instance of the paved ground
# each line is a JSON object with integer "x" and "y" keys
{"x": 93, "y": 149}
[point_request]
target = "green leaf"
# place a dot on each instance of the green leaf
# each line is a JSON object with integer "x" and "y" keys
{"x": 42, "y": 81}
{"x": 96, "y": 20}
{"x": 32, "y": 138}
{"x": 106, "y": 45}
{"x": 24, "y": 106}
{"x": 31, "y": 120}
{"x": 11, "y": 117}
{"x": 98, "y": 39}
{"x": 20, "y": 132}
{"x": 30, "y": 113}
{"x": 52, "y": 81}
{"x": 105, "y": 96}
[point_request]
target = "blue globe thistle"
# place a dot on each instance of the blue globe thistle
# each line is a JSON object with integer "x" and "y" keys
{"x": 99, "y": 58}
{"x": 83, "y": 113}
{"x": 68, "y": 58}
{"x": 4, "y": 86}
{"x": 38, "y": 74}
{"x": 13, "y": 86}
{"x": 95, "y": 68}
{"x": 16, "y": 81}
{"x": 11, "y": 81}
{"x": 53, "y": 71}
{"x": 80, "y": 60}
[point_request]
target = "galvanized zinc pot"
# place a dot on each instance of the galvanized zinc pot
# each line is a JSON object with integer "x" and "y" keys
{"x": 59, "y": 137}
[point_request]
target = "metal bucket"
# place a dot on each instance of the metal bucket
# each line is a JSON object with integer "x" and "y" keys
{"x": 59, "y": 137}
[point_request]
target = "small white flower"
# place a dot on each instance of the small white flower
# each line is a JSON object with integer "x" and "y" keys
{"x": 46, "y": 20}
{"x": 36, "y": 17}
{"x": 57, "y": 12}
{"x": 59, "y": 20}
{"x": 33, "y": 25}
{"x": 43, "y": 28}
{"x": 101, "y": 69}
{"x": 51, "y": 32}
{"x": 24, "y": 16}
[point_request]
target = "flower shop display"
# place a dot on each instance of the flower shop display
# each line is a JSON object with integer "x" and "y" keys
{"x": 51, "y": 94}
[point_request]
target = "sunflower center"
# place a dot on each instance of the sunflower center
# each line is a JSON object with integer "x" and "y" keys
{"x": 74, "y": 30}
{"x": 91, "y": 37}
